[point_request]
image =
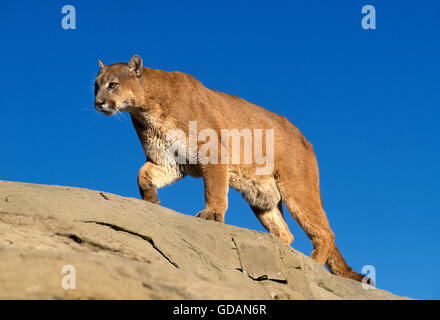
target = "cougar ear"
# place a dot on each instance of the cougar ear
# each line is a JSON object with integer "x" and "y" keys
{"x": 135, "y": 64}
{"x": 101, "y": 64}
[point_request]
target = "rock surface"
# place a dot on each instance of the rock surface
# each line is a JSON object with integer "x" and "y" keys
{"x": 125, "y": 248}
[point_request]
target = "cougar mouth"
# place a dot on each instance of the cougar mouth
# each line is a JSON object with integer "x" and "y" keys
{"x": 105, "y": 110}
{"x": 107, "y": 113}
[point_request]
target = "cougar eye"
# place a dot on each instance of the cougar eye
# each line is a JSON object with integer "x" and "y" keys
{"x": 112, "y": 85}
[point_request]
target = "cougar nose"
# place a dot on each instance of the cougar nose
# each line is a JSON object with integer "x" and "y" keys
{"x": 99, "y": 103}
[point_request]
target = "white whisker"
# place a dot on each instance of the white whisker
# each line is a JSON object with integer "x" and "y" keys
{"x": 123, "y": 116}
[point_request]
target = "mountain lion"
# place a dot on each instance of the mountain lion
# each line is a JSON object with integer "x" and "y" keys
{"x": 160, "y": 101}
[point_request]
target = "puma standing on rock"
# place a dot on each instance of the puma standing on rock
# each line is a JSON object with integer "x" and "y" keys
{"x": 160, "y": 101}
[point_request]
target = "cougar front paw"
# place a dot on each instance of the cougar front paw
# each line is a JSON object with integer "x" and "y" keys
{"x": 149, "y": 195}
{"x": 210, "y": 215}
{"x": 153, "y": 200}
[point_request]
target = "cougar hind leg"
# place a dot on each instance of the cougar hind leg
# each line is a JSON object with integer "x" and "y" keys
{"x": 312, "y": 220}
{"x": 302, "y": 199}
{"x": 265, "y": 201}
{"x": 298, "y": 183}
{"x": 273, "y": 221}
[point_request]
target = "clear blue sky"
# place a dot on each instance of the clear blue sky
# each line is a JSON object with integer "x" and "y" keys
{"x": 367, "y": 100}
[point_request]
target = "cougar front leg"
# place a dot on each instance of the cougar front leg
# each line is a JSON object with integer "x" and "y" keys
{"x": 215, "y": 178}
{"x": 153, "y": 176}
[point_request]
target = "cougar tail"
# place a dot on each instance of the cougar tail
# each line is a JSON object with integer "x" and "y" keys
{"x": 338, "y": 266}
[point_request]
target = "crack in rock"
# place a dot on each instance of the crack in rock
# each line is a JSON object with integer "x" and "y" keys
{"x": 93, "y": 244}
{"x": 238, "y": 255}
{"x": 83, "y": 241}
{"x": 144, "y": 237}
{"x": 265, "y": 277}
{"x": 104, "y": 196}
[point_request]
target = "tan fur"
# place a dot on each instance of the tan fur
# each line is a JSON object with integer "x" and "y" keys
{"x": 159, "y": 101}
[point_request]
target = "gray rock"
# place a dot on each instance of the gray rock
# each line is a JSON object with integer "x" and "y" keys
{"x": 125, "y": 248}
